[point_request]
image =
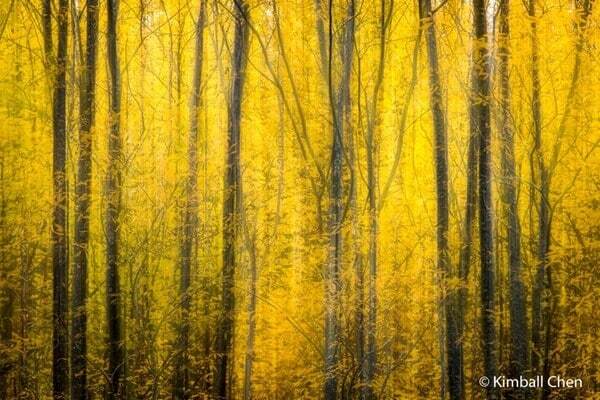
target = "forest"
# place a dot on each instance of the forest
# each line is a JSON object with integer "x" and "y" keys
{"x": 299, "y": 199}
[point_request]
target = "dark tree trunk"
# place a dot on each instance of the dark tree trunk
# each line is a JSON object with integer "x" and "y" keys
{"x": 7, "y": 292}
{"x": 373, "y": 190}
{"x": 481, "y": 114}
{"x": 116, "y": 359}
{"x": 252, "y": 289}
{"x": 519, "y": 337}
{"x": 452, "y": 339}
{"x": 82, "y": 208}
{"x": 225, "y": 329}
{"x": 466, "y": 245}
{"x": 332, "y": 272}
{"x": 340, "y": 107}
{"x": 190, "y": 223}
{"x": 539, "y": 168}
{"x": 58, "y": 64}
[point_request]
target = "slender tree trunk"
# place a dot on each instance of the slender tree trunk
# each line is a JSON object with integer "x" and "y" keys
{"x": 250, "y": 339}
{"x": 82, "y": 208}
{"x": 116, "y": 359}
{"x": 339, "y": 101}
{"x": 7, "y": 292}
{"x": 231, "y": 204}
{"x": 58, "y": 64}
{"x": 373, "y": 189}
{"x": 332, "y": 273}
{"x": 356, "y": 232}
{"x": 466, "y": 248}
{"x": 536, "y": 301}
{"x": 519, "y": 337}
{"x": 344, "y": 113}
{"x": 452, "y": 339}
{"x": 481, "y": 91}
{"x": 190, "y": 223}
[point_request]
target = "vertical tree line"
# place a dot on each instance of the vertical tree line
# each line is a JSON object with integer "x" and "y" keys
{"x": 116, "y": 352}
{"x": 57, "y": 63}
{"x": 83, "y": 194}
{"x": 181, "y": 384}
{"x": 231, "y": 203}
{"x": 519, "y": 332}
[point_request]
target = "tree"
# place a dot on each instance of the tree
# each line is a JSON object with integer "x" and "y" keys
{"x": 116, "y": 359}
{"x": 372, "y": 147}
{"x": 58, "y": 66}
{"x": 519, "y": 337}
{"x": 452, "y": 339}
{"x": 190, "y": 223}
{"x": 481, "y": 114}
{"x": 231, "y": 202}
{"x": 337, "y": 101}
{"x": 82, "y": 208}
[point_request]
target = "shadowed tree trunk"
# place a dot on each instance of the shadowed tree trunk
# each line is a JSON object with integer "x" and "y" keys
{"x": 7, "y": 292}
{"x": 334, "y": 257}
{"x": 82, "y": 208}
{"x": 452, "y": 339}
{"x": 58, "y": 64}
{"x": 481, "y": 114}
{"x": 466, "y": 241}
{"x": 190, "y": 223}
{"x": 539, "y": 168}
{"x": 340, "y": 108}
{"x": 116, "y": 360}
{"x": 231, "y": 203}
{"x": 372, "y": 144}
{"x": 519, "y": 337}
{"x": 250, "y": 353}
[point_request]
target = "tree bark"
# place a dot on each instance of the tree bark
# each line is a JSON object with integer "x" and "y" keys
{"x": 519, "y": 337}
{"x": 536, "y": 301}
{"x": 452, "y": 339}
{"x": 116, "y": 359}
{"x": 58, "y": 64}
{"x": 82, "y": 208}
{"x": 339, "y": 101}
{"x": 250, "y": 339}
{"x": 231, "y": 204}
{"x": 466, "y": 245}
{"x": 181, "y": 389}
{"x": 373, "y": 189}
{"x": 481, "y": 114}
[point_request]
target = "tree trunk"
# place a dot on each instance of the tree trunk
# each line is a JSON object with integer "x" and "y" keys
{"x": 466, "y": 247}
{"x": 519, "y": 338}
{"x": 536, "y": 300}
{"x": 190, "y": 223}
{"x": 7, "y": 292}
{"x": 60, "y": 365}
{"x": 231, "y": 203}
{"x": 82, "y": 208}
{"x": 452, "y": 339}
{"x": 249, "y": 362}
{"x": 373, "y": 190}
{"x": 116, "y": 360}
{"x": 339, "y": 101}
{"x": 481, "y": 92}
